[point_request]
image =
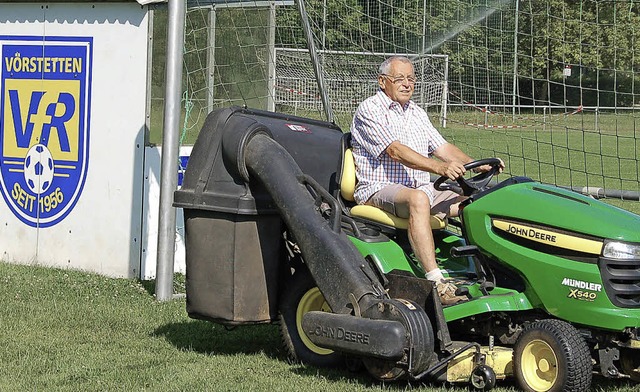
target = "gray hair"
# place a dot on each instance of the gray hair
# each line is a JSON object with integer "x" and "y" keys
{"x": 386, "y": 64}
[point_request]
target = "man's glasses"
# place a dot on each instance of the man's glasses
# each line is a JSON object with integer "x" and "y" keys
{"x": 400, "y": 79}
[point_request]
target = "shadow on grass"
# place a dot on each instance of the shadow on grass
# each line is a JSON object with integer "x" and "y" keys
{"x": 213, "y": 339}
{"x": 149, "y": 286}
{"x": 208, "y": 338}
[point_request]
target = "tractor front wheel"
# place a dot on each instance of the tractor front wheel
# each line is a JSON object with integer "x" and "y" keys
{"x": 550, "y": 355}
{"x": 299, "y": 296}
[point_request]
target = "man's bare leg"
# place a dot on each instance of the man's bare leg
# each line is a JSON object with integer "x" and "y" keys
{"x": 419, "y": 230}
{"x": 421, "y": 239}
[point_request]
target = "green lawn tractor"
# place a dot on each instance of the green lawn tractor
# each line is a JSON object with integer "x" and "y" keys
{"x": 273, "y": 236}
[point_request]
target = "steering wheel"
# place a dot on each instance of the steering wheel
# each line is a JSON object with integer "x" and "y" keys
{"x": 474, "y": 184}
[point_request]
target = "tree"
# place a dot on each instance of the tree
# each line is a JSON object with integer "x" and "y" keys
{"x": 598, "y": 39}
{"x": 335, "y": 24}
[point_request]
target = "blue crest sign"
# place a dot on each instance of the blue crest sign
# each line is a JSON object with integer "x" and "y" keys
{"x": 45, "y": 90}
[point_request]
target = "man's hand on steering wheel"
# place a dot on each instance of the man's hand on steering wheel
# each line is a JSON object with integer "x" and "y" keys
{"x": 452, "y": 170}
{"x": 486, "y": 168}
{"x": 477, "y": 183}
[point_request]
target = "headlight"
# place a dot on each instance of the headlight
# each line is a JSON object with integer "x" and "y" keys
{"x": 621, "y": 250}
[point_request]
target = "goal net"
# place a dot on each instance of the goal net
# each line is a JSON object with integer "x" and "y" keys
{"x": 350, "y": 77}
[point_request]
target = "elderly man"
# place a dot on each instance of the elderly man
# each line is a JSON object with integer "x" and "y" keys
{"x": 394, "y": 144}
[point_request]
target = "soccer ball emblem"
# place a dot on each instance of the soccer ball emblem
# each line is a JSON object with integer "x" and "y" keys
{"x": 38, "y": 169}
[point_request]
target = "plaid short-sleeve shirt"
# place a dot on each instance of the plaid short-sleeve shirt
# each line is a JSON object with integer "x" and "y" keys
{"x": 377, "y": 123}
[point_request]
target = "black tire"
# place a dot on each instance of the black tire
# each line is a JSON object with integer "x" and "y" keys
{"x": 483, "y": 378}
{"x": 550, "y": 355}
{"x": 299, "y": 295}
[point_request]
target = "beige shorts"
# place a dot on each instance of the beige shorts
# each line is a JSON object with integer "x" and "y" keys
{"x": 385, "y": 200}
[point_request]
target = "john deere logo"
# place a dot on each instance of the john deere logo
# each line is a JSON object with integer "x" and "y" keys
{"x": 549, "y": 236}
{"x": 45, "y": 85}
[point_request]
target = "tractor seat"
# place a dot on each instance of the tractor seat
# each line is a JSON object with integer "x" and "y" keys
{"x": 348, "y": 186}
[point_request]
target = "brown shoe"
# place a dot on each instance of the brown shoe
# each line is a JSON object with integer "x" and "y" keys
{"x": 447, "y": 293}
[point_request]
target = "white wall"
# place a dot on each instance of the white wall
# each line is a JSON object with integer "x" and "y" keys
{"x": 152, "y": 167}
{"x": 99, "y": 100}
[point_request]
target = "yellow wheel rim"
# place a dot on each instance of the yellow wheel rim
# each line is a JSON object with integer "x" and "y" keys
{"x": 312, "y": 300}
{"x": 539, "y": 365}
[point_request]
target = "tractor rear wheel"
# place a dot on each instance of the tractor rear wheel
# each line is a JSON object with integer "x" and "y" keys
{"x": 550, "y": 355}
{"x": 299, "y": 296}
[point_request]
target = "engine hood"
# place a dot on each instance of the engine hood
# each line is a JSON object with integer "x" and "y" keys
{"x": 551, "y": 215}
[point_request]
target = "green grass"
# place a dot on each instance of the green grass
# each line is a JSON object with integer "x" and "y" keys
{"x": 66, "y": 330}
